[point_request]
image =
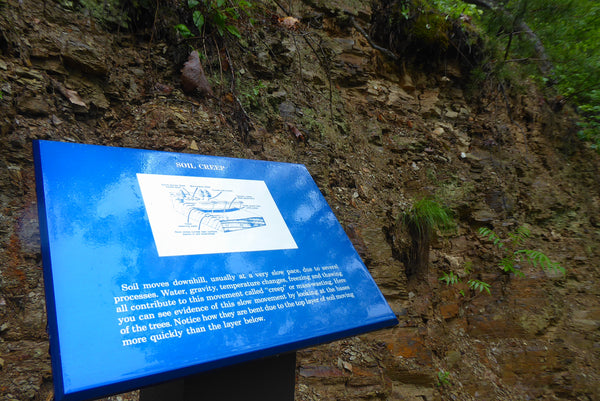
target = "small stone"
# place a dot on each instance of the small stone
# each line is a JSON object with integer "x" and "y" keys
{"x": 451, "y": 114}
{"x": 287, "y": 109}
{"x": 55, "y": 120}
{"x": 407, "y": 83}
{"x": 453, "y": 357}
{"x": 33, "y": 106}
{"x": 29, "y": 73}
{"x": 6, "y": 88}
{"x": 85, "y": 58}
{"x": 345, "y": 365}
{"x": 194, "y": 145}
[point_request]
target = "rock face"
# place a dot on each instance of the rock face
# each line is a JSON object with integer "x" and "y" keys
{"x": 375, "y": 137}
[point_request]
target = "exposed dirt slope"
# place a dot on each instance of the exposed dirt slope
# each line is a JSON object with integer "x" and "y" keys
{"x": 374, "y": 138}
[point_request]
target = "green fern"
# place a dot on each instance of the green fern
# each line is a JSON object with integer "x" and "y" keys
{"x": 512, "y": 256}
{"x": 491, "y": 236}
{"x": 507, "y": 264}
{"x": 519, "y": 236}
{"x": 449, "y": 278}
{"x": 539, "y": 258}
{"x": 479, "y": 285}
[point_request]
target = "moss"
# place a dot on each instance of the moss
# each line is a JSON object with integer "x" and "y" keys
{"x": 432, "y": 30}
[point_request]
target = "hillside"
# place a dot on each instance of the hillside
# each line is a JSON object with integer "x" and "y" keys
{"x": 376, "y": 135}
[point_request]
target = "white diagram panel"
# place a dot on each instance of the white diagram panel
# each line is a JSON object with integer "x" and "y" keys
{"x": 200, "y": 215}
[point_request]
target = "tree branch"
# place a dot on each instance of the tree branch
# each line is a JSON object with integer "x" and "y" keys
{"x": 545, "y": 64}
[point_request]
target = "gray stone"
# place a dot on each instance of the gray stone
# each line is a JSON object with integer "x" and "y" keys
{"x": 451, "y": 114}
{"x": 33, "y": 106}
{"x": 85, "y": 58}
{"x": 287, "y": 109}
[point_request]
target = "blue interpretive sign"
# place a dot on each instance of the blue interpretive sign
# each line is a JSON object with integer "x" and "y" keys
{"x": 159, "y": 265}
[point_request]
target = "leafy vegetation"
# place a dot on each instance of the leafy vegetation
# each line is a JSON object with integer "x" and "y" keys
{"x": 555, "y": 42}
{"x": 476, "y": 285}
{"x": 218, "y": 14}
{"x": 443, "y": 378}
{"x": 426, "y": 32}
{"x": 421, "y": 220}
{"x": 513, "y": 255}
{"x": 570, "y": 31}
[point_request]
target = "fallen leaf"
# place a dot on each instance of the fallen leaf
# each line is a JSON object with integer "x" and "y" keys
{"x": 162, "y": 88}
{"x": 71, "y": 95}
{"x": 297, "y": 133}
{"x": 228, "y": 97}
{"x": 344, "y": 365}
{"x": 289, "y": 22}
{"x": 74, "y": 97}
{"x": 193, "y": 78}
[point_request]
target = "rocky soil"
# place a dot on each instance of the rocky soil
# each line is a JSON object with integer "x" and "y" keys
{"x": 375, "y": 136}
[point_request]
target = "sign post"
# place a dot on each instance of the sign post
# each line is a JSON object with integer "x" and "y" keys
{"x": 159, "y": 266}
{"x": 269, "y": 379}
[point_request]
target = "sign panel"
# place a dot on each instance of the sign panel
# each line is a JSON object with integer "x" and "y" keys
{"x": 159, "y": 265}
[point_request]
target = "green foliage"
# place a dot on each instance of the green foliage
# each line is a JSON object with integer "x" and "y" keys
{"x": 569, "y": 31}
{"x": 219, "y": 14}
{"x": 479, "y": 285}
{"x": 432, "y": 30}
{"x": 536, "y": 258}
{"x": 513, "y": 254}
{"x": 426, "y": 215}
{"x": 443, "y": 378}
{"x": 421, "y": 220}
{"x": 449, "y": 278}
{"x": 476, "y": 285}
{"x": 424, "y": 31}
{"x": 183, "y": 30}
{"x": 250, "y": 95}
{"x": 456, "y": 8}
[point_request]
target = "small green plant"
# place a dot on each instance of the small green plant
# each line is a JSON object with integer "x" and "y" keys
{"x": 449, "y": 278}
{"x": 421, "y": 220}
{"x": 250, "y": 96}
{"x": 443, "y": 378}
{"x": 220, "y": 13}
{"x": 476, "y": 285}
{"x": 479, "y": 285}
{"x": 514, "y": 254}
{"x": 426, "y": 215}
{"x": 405, "y": 11}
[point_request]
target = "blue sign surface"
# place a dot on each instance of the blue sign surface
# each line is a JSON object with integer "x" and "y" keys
{"x": 158, "y": 265}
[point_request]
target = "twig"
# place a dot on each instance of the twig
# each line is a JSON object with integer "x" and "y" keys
{"x": 510, "y": 115}
{"x": 385, "y": 51}
{"x": 243, "y": 119}
{"x": 327, "y": 72}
